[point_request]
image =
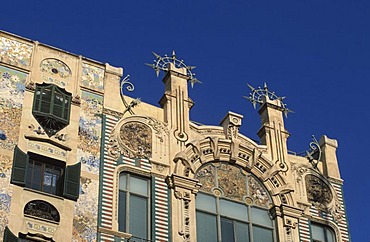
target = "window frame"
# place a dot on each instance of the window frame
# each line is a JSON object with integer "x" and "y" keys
{"x": 128, "y": 194}
{"x": 45, "y": 161}
{"x": 70, "y": 184}
{"x": 44, "y": 107}
{"x": 249, "y": 207}
{"x": 326, "y": 229}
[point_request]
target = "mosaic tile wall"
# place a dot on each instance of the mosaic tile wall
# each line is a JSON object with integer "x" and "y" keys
{"x": 89, "y": 131}
{"x": 86, "y": 212}
{"x": 14, "y": 52}
{"x": 88, "y": 153}
{"x": 12, "y": 87}
{"x": 5, "y": 190}
{"x": 92, "y": 77}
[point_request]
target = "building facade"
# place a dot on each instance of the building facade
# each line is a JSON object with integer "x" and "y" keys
{"x": 79, "y": 165}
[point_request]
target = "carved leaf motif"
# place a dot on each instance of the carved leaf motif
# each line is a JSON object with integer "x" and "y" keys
{"x": 136, "y": 140}
{"x": 318, "y": 191}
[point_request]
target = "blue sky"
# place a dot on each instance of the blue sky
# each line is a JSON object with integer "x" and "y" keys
{"x": 316, "y": 53}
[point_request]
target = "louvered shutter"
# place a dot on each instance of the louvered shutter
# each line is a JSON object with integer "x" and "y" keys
{"x": 20, "y": 161}
{"x": 72, "y": 181}
{"x": 9, "y": 236}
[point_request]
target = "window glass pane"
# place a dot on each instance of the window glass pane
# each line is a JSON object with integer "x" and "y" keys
{"x": 139, "y": 185}
{"x": 36, "y": 178}
{"x": 206, "y": 227}
{"x": 123, "y": 181}
{"x": 122, "y": 211}
{"x": 261, "y": 216}
{"x": 317, "y": 232}
{"x": 227, "y": 230}
{"x": 330, "y": 235}
{"x": 262, "y": 234}
{"x": 206, "y": 203}
{"x": 241, "y": 232}
{"x": 138, "y": 216}
{"x": 233, "y": 210}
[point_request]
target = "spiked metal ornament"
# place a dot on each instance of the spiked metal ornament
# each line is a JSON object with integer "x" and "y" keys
{"x": 162, "y": 63}
{"x": 256, "y": 97}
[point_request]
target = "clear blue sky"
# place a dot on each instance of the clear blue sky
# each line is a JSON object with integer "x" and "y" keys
{"x": 316, "y": 53}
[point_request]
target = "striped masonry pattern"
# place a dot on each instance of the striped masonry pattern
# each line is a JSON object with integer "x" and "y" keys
{"x": 342, "y": 224}
{"x": 109, "y": 165}
{"x": 161, "y": 213}
{"x": 304, "y": 230}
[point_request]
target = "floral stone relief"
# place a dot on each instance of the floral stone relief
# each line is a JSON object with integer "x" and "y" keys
{"x": 136, "y": 140}
{"x": 15, "y": 52}
{"x": 12, "y": 87}
{"x": 89, "y": 131}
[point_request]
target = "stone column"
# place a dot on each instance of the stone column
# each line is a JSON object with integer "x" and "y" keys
{"x": 183, "y": 215}
{"x": 287, "y": 219}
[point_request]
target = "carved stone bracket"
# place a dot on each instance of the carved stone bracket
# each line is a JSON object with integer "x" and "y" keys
{"x": 290, "y": 216}
{"x": 184, "y": 191}
{"x": 231, "y": 124}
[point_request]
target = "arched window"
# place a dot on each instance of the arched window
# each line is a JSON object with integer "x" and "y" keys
{"x": 232, "y": 206}
{"x": 134, "y": 205}
{"x": 322, "y": 233}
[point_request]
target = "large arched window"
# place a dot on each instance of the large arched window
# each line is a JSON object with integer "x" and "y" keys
{"x": 232, "y": 206}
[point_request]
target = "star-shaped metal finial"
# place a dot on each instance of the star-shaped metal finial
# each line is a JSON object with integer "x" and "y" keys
{"x": 256, "y": 94}
{"x": 162, "y": 63}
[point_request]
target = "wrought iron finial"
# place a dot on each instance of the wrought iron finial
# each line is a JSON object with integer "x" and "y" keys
{"x": 314, "y": 154}
{"x": 162, "y": 63}
{"x": 126, "y": 84}
{"x": 256, "y": 94}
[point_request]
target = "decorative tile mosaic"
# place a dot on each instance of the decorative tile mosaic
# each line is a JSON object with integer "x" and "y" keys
{"x": 92, "y": 77}
{"x": 89, "y": 131}
{"x": 5, "y": 190}
{"x": 12, "y": 87}
{"x": 86, "y": 212}
{"x": 60, "y": 83}
{"x": 56, "y": 68}
{"x": 259, "y": 193}
{"x": 233, "y": 182}
{"x": 89, "y": 162}
{"x": 206, "y": 177}
{"x": 15, "y": 52}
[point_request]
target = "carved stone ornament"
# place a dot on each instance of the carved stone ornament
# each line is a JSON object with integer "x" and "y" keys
{"x": 133, "y": 137}
{"x": 136, "y": 140}
{"x": 318, "y": 192}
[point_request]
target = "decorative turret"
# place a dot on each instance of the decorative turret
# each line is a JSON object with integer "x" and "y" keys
{"x": 175, "y": 101}
{"x": 272, "y": 133}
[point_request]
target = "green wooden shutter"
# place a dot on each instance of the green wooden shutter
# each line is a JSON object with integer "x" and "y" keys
{"x": 72, "y": 181}
{"x": 9, "y": 236}
{"x": 20, "y": 161}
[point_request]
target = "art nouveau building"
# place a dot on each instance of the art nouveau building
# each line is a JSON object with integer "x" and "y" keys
{"x": 77, "y": 165}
